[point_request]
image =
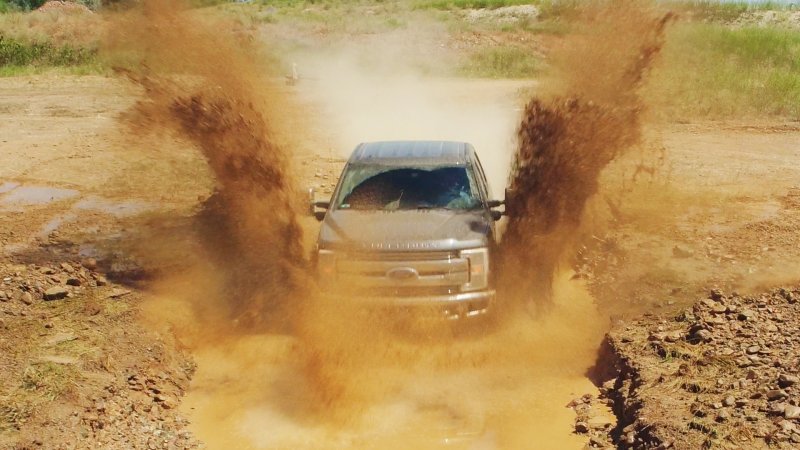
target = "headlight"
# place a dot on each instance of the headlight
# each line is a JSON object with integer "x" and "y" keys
{"x": 326, "y": 265}
{"x": 478, "y": 259}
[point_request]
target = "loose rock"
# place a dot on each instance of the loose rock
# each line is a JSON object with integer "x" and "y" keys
{"x": 55, "y": 293}
{"x": 791, "y": 412}
{"x": 26, "y": 298}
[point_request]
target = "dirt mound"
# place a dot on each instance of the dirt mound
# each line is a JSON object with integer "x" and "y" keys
{"x": 588, "y": 115}
{"x": 64, "y": 6}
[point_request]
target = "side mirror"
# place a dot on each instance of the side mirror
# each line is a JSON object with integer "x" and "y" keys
{"x": 495, "y": 215}
{"x": 313, "y": 205}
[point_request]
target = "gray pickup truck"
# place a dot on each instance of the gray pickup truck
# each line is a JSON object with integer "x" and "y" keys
{"x": 410, "y": 224}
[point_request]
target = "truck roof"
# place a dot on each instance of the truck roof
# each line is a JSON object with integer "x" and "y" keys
{"x": 420, "y": 152}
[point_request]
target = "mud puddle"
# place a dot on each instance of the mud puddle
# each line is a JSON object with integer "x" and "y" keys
{"x": 503, "y": 389}
{"x": 116, "y": 208}
{"x": 18, "y": 196}
{"x": 15, "y": 197}
{"x": 7, "y": 186}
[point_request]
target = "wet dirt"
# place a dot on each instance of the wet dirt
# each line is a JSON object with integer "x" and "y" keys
{"x": 125, "y": 208}
{"x": 503, "y": 389}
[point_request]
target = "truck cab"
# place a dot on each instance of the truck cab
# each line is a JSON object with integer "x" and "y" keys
{"x": 410, "y": 224}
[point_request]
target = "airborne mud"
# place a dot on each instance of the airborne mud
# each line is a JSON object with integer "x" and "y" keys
{"x": 588, "y": 114}
{"x": 278, "y": 368}
{"x": 204, "y": 87}
{"x": 502, "y": 390}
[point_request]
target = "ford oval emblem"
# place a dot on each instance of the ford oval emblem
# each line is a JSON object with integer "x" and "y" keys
{"x": 402, "y": 273}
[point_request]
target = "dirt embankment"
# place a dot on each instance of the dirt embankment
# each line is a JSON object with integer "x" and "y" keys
{"x": 723, "y": 373}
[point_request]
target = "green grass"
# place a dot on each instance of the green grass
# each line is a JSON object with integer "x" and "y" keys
{"x": 27, "y": 5}
{"x": 86, "y": 69}
{"x": 19, "y": 57}
{"x": 502, "y": 62}
{"x": 716, "y": 11}
{"x": 711, "y": 70}
{"x": 464, "y": 4}
{"x": 48, "y": 379}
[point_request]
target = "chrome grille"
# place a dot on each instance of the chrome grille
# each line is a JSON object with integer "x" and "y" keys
{"x": 404, "y": 273}
{"x": 402, "y": 256}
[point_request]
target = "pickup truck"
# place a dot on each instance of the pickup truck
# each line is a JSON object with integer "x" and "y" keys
{"x": 410, "y": 224}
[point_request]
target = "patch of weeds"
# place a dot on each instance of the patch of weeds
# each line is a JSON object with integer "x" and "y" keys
{"x": 18, "y": 56}
{"x": 5, "y": 7}
{"x": 88, "y": 69}
{"x": 395, "y": 23}
{"x": 12, "y": 414}
{"x": 712, "y": 70}
{"x": 467, "y": 4}
{"x": 502, "y": 62}
{"x": 50, "y": 380}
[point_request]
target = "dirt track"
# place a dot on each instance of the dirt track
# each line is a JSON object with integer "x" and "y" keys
{"x": 61, "y": 133}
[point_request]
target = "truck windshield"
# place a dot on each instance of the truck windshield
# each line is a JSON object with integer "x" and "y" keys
{"x": 379, "y": 187}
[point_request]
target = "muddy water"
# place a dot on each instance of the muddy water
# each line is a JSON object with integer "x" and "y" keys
{"x": 503, "y": 389}
{"x": 17, "y": 196}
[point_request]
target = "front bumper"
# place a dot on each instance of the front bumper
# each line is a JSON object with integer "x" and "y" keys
{"x": 463, "y": 305}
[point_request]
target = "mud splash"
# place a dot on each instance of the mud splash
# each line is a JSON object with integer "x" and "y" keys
{"x": 321, "y": 374}
{"x": 506, "y": 389}
{"x": 588, "y": 114}
{"x": 201, "y": 84}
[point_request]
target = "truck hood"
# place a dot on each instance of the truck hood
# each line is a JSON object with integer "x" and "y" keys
{"x": 432, "y": 229}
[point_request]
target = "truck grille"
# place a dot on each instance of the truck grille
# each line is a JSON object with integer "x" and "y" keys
{"x": 402, "y": 256}
{"x": 404, "y": 273}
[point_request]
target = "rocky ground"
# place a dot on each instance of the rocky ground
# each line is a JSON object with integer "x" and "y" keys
{"x": 77, "y": 370}
{"x": 721, "y": 374}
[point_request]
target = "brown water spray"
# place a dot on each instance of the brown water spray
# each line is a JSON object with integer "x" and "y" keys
{"x": 587, "y": 114}
{"x": 201, "y": 83}
{"x": 340, "y": 372}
